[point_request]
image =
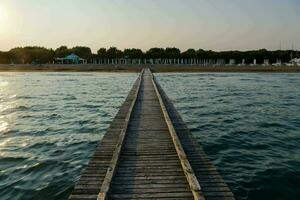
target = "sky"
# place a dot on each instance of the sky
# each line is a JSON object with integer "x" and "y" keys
{"x": 207, "y": 24}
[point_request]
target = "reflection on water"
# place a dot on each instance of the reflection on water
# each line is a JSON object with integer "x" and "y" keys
{"x": 249, "y": 125}
{"x": 3, "y": 126}
{"x": 50, "y": 124}
{"x": 3, "y": 84}
{"x": 4, "y": 105}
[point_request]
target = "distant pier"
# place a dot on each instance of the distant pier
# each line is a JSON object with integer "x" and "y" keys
{"x": 149, "y": 153}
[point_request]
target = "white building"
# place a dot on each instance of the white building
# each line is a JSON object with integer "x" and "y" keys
{"x": 266, "y": 62}
{"x": 254, "y": 62}
{"x": 295, "y": 61}
{"x": 232, "y": 62}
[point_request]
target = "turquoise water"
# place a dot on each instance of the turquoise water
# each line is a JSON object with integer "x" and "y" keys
{"x": 249, "y": 125}
{"x": 50, "y": 123}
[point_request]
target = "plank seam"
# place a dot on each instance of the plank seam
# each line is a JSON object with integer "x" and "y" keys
{"x": 111, "y": 170}
{"x": 186, "y": 166}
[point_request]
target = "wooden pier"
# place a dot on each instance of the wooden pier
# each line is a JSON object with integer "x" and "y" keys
{"x": 149, "y": 153}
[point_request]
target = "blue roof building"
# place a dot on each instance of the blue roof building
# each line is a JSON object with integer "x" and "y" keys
{"x": 71, "y": 59}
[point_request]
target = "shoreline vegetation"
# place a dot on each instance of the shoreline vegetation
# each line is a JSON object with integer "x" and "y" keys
{"x": 154, "y": 68}
{"x": 42, "y": 55}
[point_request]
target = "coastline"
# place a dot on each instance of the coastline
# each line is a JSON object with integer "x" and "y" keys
{"x": 155, "y": 68}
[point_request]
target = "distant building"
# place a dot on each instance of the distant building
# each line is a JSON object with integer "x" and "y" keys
{"x": 278, "y": 63}
{"x": 266, "y": 62}
{"x": 71, "y": 59}
{"x": 254, "y": 62}
{"x": 243, "y": 62}
{"x": 232, "y": 62}
{"x": 295, "y": 61}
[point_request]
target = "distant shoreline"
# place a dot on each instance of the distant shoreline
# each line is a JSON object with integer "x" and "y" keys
{"x": 155, "y": 69}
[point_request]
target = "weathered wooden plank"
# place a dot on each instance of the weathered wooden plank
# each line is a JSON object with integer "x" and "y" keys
{"x": 153, "y": 190}
{"x": 153, "y": 181}
{"x": 148, "y": 140}
{"x": 188, "y": 170}
{"x": 149, "y": 155}
{"x": 174, "y": 195}
{"x": 105, "y": 187}
{"x": 205, "y": 172}
{"x": 97, "y": 170}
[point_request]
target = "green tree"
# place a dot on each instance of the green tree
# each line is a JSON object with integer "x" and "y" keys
{"x": 155, "y": 53}
{"x": 62, "y": 52}
{"x": 133, "y": 53}
{"x": 190, "y": 53}
{"x": 5, "y": 57}
{"x": 28, "y": 55}
{"x": 83, "y": 52}
{"x": 102, "y": 53}
{"x": 172, "y": 52}
{"x": 44, "y": 55}
{"x": 113, "y": 52}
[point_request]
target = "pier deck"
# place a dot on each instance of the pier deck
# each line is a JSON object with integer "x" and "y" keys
{"x": 149, "y": 153}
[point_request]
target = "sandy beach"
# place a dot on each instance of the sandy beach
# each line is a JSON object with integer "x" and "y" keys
{"x": 155, "y": 69}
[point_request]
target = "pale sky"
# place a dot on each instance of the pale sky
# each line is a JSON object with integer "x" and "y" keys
{"x": 207, "y": 24}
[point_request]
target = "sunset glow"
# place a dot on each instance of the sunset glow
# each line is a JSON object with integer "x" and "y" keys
{"x": 216, "y": 25}
{"x": 3, "y": 18}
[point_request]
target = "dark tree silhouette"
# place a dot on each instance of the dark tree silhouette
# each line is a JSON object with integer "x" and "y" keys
{"x": 43, "y": 55}
{"x": 133, "y": 53}
{"x": 113, "y": 52}
{"x": 172, "y": 52}
{"x": 190, "y": 53}
{"x": 102, "y": 53}
{"x": 83, "y": 52}
{"x": 155, "y": 53}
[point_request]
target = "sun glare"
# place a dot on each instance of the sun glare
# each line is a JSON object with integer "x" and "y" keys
{"x": 2, "y": 10}
{"x": 3, "y": 17}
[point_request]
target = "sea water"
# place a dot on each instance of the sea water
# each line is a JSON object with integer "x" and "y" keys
{"x": 248, "y": 124}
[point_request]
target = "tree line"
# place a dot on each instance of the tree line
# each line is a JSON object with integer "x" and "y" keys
{"x": 29, "y": 55}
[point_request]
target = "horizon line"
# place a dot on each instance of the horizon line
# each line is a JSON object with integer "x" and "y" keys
{"x": 145, "y": 50}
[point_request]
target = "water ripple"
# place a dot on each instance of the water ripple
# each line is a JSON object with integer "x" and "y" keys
{"x": 50, "y": 124}
{"x": 249, "y": 126}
